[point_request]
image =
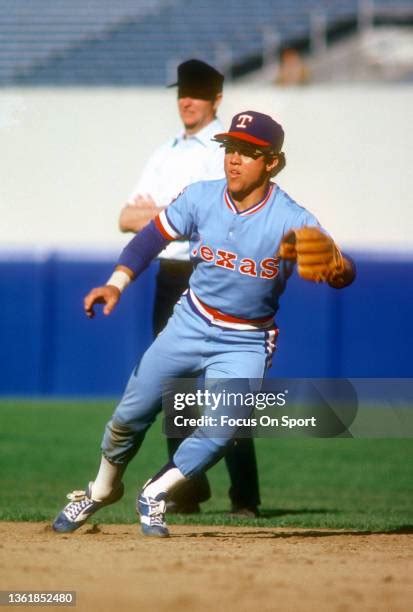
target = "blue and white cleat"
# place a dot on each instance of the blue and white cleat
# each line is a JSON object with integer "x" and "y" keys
{"x": 81, "y": 507}
{"x": 151, "y": 511}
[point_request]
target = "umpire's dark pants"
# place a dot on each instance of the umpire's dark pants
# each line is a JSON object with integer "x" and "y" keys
{"x": 171, "y": 282}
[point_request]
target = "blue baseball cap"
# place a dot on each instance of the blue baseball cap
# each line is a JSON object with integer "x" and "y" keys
{"x": 254, "y": 128}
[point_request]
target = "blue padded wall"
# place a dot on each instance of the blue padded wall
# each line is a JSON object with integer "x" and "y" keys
{"x": 49, "y": 347}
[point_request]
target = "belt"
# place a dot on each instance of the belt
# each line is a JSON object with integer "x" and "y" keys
{"x": 216, "y": 317}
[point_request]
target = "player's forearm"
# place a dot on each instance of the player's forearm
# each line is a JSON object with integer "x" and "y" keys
{"x": 135, "y": 257}
{"x": 139, "y": 252}
{"x": 135, "y": 218}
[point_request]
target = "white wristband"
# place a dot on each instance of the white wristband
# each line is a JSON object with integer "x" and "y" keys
{"x": 119, "y": 279}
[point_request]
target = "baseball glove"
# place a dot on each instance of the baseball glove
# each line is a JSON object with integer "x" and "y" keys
{"x": 318, "y": 258}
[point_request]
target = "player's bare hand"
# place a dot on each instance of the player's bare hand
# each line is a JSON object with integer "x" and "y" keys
{"x": 107, "y": 295}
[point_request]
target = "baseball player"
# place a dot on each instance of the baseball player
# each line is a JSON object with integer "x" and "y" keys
{"x": 224, "y": 325}
{"x": 192, "y": 155}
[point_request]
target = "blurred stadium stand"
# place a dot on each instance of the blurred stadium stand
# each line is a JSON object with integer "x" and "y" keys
{"x": 34, "y": 33}
{"x": 55, "y": 42}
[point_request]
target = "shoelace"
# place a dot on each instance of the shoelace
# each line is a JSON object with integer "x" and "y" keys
{"x": 80, "y": 501}
{"x": 76, "y": 495}
{"x": 156, "y": 512}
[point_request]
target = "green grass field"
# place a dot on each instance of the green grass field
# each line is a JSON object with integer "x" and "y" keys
{"x": 50, "y": 448}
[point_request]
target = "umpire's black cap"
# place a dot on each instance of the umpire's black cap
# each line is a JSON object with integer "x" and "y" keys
{"x": 197, "y": 79}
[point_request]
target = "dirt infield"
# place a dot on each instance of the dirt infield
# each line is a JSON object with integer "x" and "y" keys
{"x": 112, "y": 567}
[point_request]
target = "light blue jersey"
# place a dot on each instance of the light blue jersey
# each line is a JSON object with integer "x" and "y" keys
{"x": 236, "y": 285}
{"x": 237, "y": 270}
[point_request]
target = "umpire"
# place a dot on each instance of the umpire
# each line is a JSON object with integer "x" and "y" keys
{"x": 189, "y": 157}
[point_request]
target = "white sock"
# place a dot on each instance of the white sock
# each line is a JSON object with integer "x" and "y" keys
{"x": 107, "y": 479}
{"x": 165, "y": 483}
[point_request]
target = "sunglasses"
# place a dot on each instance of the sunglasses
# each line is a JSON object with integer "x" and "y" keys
{"x": 242, "y": 149}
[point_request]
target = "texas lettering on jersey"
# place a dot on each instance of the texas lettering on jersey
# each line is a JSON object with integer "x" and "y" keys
{"x": 266, "y": 268}
{"x": 236, "y": 268}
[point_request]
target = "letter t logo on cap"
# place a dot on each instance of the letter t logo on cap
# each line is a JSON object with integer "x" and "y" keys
{"x": 244, "y": 120}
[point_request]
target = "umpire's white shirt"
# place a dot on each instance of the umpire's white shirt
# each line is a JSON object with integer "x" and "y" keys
{"x": 174, "y": 165}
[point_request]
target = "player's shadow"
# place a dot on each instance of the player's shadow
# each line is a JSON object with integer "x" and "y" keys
{"x": 273, "y": 512}
{"x": 268, "y": 534}
{"x": 276, "y": 512}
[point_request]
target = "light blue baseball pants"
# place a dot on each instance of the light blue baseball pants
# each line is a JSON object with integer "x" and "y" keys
{"x": 188, "y": 345}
